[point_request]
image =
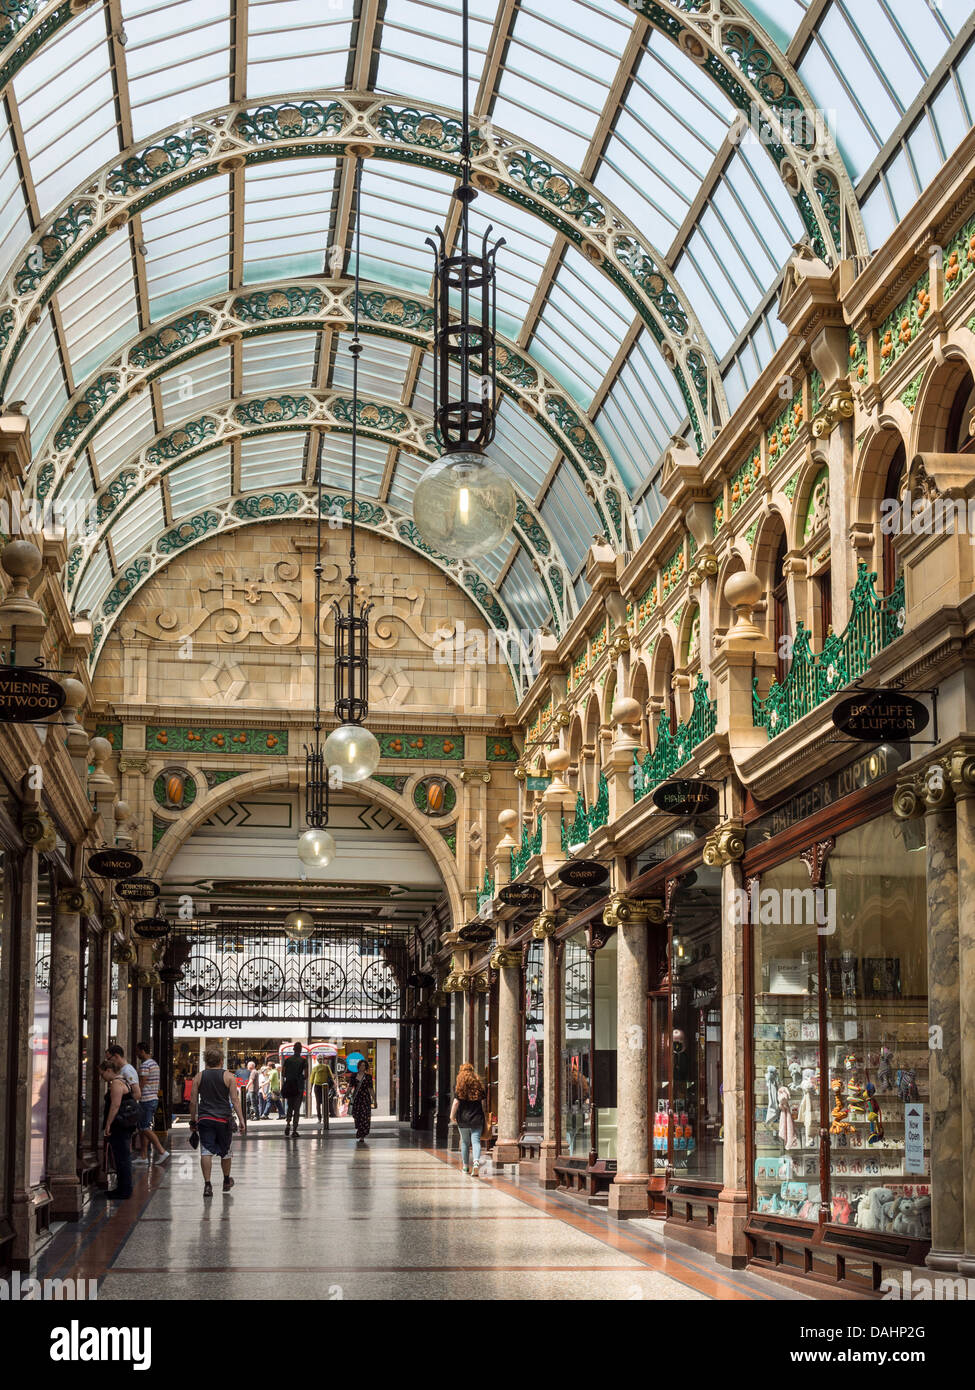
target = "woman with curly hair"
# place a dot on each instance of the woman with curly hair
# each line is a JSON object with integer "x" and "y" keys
{"x": 467, "y": 1112}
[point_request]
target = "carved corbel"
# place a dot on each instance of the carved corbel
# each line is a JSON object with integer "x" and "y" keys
{"x": 123, "y": 953}
{"x": 38, "y": 830}
{"x": 622, "y": 911}
{"x": 725, "y": 845}
{"x": 937, "y": 786}
{"x": 837, "y": 407}
{"x": 478, "y": 983}
{"x": 128, "y": 764}
{"x": 453, "y": 984}
{"x": 111, "y": 919}
{"x": 472, "y": 774}
{"x": 544, "y": 925}
{"x": 705, "y": 566}
{"x": 619, "y": 642}
{"x": 562, "y": 717}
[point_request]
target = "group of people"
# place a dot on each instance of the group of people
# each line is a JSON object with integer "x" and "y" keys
{"x": 270, "y": 1087}
{"x": 129, "y": 1114}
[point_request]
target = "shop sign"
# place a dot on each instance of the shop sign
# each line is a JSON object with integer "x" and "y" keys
{"x": 537, "y": 784}
{"x": 531, "y": 1072}
{"x": 914, "y": 1138}
{"x": 880, "y": 716}
{"x": 149, "y": 928}
{"x": 583, "y": 873}
{"x": 203, "y": 1023}
{"x": 683, "y": 797}
{"x": 864, "y": 771}
{"x": 521, "y": 894}
{"x": 138, "y": 890}
{"x": 114, "y": 863}
{"x": 26, "y": 695}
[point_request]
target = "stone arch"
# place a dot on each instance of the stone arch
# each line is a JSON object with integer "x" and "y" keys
{"x": 815, "y": 466}
{"x": 732, "y": 49}
{"x": 890, "y": 432}
{"x": 772, "y": 529}
{"x": 640, "y": 691}
{"x": 692, "y": 610}
{"x": 365, "y": 125}
{"x": 574, "y": 746}
{"x": 291, "y": 777}
{"x": 941, "y": 389}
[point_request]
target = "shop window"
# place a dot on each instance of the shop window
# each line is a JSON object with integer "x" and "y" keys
{"x": 604, "y": 1048}
{"x": 840, "y": 1031}
{"x": 576, "y": 1045}
{"x": 894, "y": 489}
{"x": 824, "y": 587}
{"x": 40, "y": 1032}
{"x": 534, "y": 1056}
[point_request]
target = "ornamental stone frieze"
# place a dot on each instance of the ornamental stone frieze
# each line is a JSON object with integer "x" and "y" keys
{"x": 504, "y": 958}
{"x": 475, "y": 774}
{"x": 725, "y": 845}
{"x": 622, "y": 911}
{"x": 936, "y": 786}
{"x": 544, "y": 925}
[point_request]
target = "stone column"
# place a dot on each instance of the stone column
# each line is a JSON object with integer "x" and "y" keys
{"x": 542, "y": 930}
{"x": 629, "y": 1194}
{"x": 963, "y": 785}
{"x": 64, "y": 1059}
{"x": 508, "y": 964}
{"x": 445, "y": 1062}
{"x": 19, "y": 980}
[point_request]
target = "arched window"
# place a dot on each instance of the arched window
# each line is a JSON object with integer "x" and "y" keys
{"x": 781, "y": 617}
{"x": 893, "y": 492}
{"x": 667, "y": 676}
{"x": 957, "y": 438}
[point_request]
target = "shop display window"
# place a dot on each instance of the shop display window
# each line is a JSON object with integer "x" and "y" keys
{"x": 841, "y": 1006}
{"x": 604, "y": 1047}
{"x": 534, "y": 1057}
{"x": 40, "y": 1034}
{"x": 692, "y": 1112}
{"x": 576, "y": 1044}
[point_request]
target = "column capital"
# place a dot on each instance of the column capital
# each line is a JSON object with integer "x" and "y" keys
{"x": 38, "y": 830}
{"x": 503, "y": 958}
{"x": 72, "y": 899}
{"x": 544, "y": 925}
{"x": 622, "y": 911}
{"x": 476, "y": 982}
{"x": 725, "y": 844}
{"x": 937, "y": 785}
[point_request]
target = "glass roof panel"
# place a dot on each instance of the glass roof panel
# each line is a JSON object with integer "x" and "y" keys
{"x": 271, "y": 460}
{"x": 177, "y": 59}
{"x": 287, "y": 207}
{"x": 560, "y": 64}
{"x": 779, "y": 18}
{"x": 641, "y": 411}
{"x": 664, "y": 141}
{"x": 38, "y": 380}
{"x": 753, "y": 356}
{"x": 123, "y": 435}
{"x": 14, "y": 223}
{"x": 528, "y": 243}
{"x": 96, "y": 580}
{"x": 400, "y": 208}
{"x": 67, "y": 108}
{"x": 79, "y": 489}
{"x": 138, "y": 525}
{"x": 200, "y": 483}
{"x": 201, "y": 382}
{"x": 568, "y": 514}
{"x": 98, "y": 305}
{"x": 278, "y": 361}
{"x": 580, "y": 329}
{"x": 420, "y": 48}
{"x": 296, "y": 47}
{"x": 370, "y": 465}
{"x": 187, "y": 241}
{"x": 383, "y": 365}
{"x": 522, "y": 595}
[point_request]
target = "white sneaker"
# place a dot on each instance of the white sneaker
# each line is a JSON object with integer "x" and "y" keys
{"x": 161, "y": 1158}
{"x": 140, "y": 1163}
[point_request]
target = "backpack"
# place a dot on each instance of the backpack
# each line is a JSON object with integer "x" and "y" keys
{"x": 127, "y": 1115}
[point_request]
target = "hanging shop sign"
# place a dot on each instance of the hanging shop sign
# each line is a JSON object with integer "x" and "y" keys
{"x": 114, "y": 863}
{"x": 583, "y": 873}
{"x": 683, "y": 797}
{"x": 26, "y": 695}
{"x": 138, "y": 890}
{"x": 537, "y": 784}
{"x": 880, "y": 716}
{"x": 151, "y": 928}
{"x": 520, "y": 895}
{"x": 531, "y": 1072}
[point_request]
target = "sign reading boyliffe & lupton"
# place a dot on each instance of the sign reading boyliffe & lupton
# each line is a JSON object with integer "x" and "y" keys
{"x": 880, "y": 716}
{"x": 27, "y": 695}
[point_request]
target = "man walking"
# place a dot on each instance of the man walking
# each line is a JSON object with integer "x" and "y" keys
{"x": 213, "y": 1103}
{"x": 149, "y": 1084}
{"x": 253, "y": 1089}
{"x": 322, "y": 1082}
{"x": 274, "y": 1091}
{"x": 293, "y": 1089}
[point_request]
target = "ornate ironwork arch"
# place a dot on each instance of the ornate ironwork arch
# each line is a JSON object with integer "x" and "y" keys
{"x": 298, "y": 503}
{"x": 300, "y": 411}
{"x": 283, "y": 307}
{"x": 289, "y": 127}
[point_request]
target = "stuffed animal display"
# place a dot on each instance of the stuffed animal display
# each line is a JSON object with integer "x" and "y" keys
{"x": 874, "y": 1119}
{"x": 840, "y": 1125}
{"x": 885, "y": 1070}
{"x": 907, "y": 1084}
{"x": 806, "y": 1117}
{"x": 772, "y": 1083}
{"x": 787, "y": 1129}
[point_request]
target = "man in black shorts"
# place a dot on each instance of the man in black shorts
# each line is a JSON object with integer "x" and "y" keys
{"x": 213, "y": 1103}
{"x": 293, "y": 1087}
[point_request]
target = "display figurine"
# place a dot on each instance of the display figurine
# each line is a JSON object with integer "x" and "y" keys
{"x": 907, "y": 1084}
{"x": 806, "y": 1117}
{"x": 856, "y": 1098}
{"x": 772, "y": 1083}
{"x": 795, "y": 1073}
{"x": 885, "y": 1069}
{"x": 841, "y": 1124}
{"x": 850, "y": 1061}
{"x": 787, "y": 1129}
{"x": 874, "y": 1119}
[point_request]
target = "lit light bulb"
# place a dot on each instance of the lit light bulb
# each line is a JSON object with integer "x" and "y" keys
{"x": 299, "y": 925}
{"x": 316, "y": 848}
{"x": 353, "y": 751}
{"x": 464, "y": 505}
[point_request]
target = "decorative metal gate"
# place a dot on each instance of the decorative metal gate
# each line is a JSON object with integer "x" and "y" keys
{"x": 339, "y": 975}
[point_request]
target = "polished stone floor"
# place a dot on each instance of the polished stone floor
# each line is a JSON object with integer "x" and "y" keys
{"x": 319, "y": 1218}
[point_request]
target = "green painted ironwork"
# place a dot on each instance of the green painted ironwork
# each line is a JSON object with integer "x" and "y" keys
{"x": 531, "y": 844}
{"x": 672, "y": 750}
{"x": 813, "y": 677}
{"x": 585, "y": 823}
{"x": 486, "y": 893}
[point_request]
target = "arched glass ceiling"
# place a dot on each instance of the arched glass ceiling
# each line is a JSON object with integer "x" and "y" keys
{"x": 595, "y": 83}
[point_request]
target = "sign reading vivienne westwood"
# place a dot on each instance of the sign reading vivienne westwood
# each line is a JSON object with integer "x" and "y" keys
{"x": 26, "y": 695}
{"x": 683, "y": 797}
{"x": 114, "y": 863}
{"x": 880, "y": 716}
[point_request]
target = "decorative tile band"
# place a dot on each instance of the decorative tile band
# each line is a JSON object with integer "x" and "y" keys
{"x": 181, "y": 738}
{"x": 422, "y": 746}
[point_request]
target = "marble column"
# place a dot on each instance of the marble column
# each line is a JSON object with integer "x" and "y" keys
{"x": 629, "y": 1193}
{"x": 733, "y": 1198}
{"x": 445, "y": 1062}
{"x": 543, "y": 927}
{"x": 964, "y": 788}
{"x": 19, "y": 972}
{"x": 508, "y": 964}
{"x": 64, "y": 1057}
{"x": 99, "y": 1010}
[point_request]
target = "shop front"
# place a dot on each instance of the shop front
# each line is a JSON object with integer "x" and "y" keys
{"x": 533, "y": 1052}
{"x": 833, "y": 907}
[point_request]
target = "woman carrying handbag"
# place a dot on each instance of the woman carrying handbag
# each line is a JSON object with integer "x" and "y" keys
{"x": 120, "y": 1119}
